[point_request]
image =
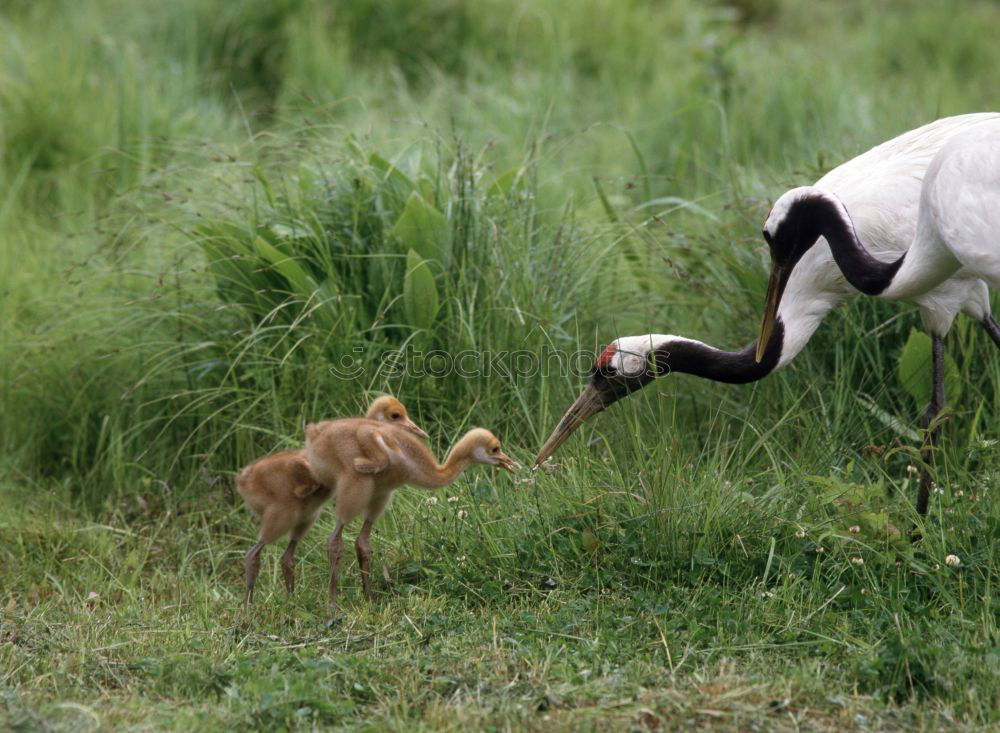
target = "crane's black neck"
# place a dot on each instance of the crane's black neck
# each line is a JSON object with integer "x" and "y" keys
{"x": 733, "y": 367}
{"x": 869, "y": 275}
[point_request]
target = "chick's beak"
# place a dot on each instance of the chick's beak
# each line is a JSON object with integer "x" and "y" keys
{"x": 413, "y": 428}
{"x": 775, "y": 288}
{"x": 506, "y": 462}
{"x": 588, "y": 403}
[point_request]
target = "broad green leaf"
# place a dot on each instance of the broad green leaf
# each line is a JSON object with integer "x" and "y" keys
{"x": 265, "y": 185}
{"x": 425, "y": 187}
{"x": 395, "y": 186}
{"x": 420, "y": 296}
{"x": 424, "y": 229}
{"x": 233, "y": 262}
{"x": 299, "y": 281}
{"x": 914, "y": 370}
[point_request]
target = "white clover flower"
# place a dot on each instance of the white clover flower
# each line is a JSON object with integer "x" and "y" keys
{"x": 800, "y": 534}
{"x": 937, "y": 566}
{"x": 767, "y": 594}
{"x": 452, "y": 499}
{"x": 821, "y": 549}
{"x": 912, "y": 470}
{"x": 857, "y": 560}
{"x": 952, "y": 561}
{"x": 460, "y": 558}
{"x": 854, "y": 529}
{"x": 432, "y": 500}
{"x": 462, "y": 514}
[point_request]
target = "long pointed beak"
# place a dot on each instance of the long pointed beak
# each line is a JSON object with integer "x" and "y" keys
{"x": 413, "y": 428}
{"x": 588, "y": 403}
{"x": 507, "y": 463}
{"x": 775, "y": 289}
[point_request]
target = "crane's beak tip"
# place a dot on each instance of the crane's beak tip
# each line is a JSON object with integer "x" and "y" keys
{"x": 588, "y": 403}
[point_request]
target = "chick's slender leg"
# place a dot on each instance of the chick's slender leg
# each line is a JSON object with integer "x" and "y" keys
{"x": 335, "y": 551}
{"x": 364, "y": 550}
{"x": 288, "y": 565}
{"x": 251, "y": 566}
{"x": 274, "y": 523}
{"x": 353, "y": 496}
{"x": 298, "y": 532}
{"x": 363, "y": 544}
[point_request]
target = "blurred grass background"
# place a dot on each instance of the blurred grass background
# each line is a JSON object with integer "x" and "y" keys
{"x": 204, "y": 205}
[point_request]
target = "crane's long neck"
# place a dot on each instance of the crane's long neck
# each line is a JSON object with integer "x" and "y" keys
{"x": 924, "y": 266}
{"x": 869, "y": 275}
{"x": 677, "y": 354}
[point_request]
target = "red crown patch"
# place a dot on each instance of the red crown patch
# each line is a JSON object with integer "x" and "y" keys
{"x": 605, "y": 357}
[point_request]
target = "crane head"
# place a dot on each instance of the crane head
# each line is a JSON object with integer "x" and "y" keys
{"x": 792, "y": 226}
{"x": 624, "y": 366}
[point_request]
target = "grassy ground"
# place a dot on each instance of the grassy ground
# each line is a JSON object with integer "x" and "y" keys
{"x": 205, "y": 206}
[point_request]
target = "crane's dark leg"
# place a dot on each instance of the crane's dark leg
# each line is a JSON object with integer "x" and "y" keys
{"x": 992, "y": 328}
{"x": 932, "y": 411}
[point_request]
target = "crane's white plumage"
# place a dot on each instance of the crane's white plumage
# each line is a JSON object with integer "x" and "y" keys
{"x": 940, "y": 230}
{"x": 882, "y": 191}
{"x": 959, "y": 221}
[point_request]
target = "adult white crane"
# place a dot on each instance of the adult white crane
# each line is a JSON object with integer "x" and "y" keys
{"x": 957, "y": 231}
{"x": 882, "y": 190}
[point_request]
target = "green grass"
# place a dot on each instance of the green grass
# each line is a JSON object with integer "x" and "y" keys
{"x": 205, "y": 205}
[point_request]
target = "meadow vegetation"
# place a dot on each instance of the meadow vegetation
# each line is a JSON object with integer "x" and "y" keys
{"x": 206, "y": 206}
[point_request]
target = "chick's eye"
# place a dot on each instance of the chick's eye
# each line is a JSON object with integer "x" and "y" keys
{"x": 495, "y": 449}
{"x": 394, "y": 416}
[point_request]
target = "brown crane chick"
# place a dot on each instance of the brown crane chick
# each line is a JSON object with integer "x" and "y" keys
{"x": 332, "y": 449}
{"x": 282, "y": 491}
